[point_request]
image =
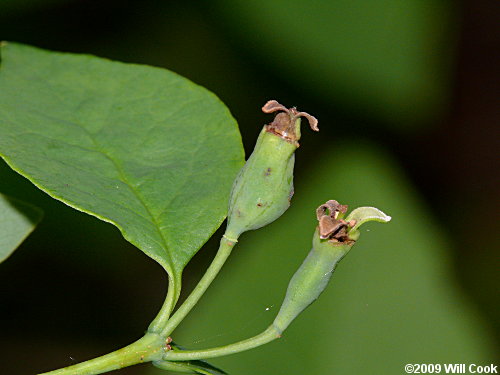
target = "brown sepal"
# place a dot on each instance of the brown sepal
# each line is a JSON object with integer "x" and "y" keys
{"x": 330, "y": 226}
{"x": 283, "y": 124}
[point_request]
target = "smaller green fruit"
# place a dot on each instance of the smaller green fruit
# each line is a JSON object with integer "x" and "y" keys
{"x": 332, "y": 240}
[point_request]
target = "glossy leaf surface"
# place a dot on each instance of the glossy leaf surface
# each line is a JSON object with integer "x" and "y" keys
{"x": 136, "y": 146}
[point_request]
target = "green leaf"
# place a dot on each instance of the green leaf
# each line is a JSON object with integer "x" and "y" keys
{"x": 17, "y": 221}
{"x": 136, "y": 146}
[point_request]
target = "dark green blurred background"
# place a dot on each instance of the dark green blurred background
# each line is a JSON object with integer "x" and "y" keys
{"x": 405, "y": 93}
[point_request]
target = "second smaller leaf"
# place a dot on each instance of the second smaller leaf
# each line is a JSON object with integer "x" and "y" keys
{"x": 17, "y": 221}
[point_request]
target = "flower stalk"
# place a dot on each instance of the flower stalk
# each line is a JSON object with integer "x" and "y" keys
{"x": 333, "y": 238}
{"x": 261, "y": 193}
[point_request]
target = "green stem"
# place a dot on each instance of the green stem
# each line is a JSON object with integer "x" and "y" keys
{"x": 270, "y": 334}
{"x": 151, "y": 347}
{"x": 172, "y": 296}
{"x": 225, "y": 248}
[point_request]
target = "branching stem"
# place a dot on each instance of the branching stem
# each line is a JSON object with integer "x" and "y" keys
{"x": 151, "y": 347}
{"x": 225, "y": 248}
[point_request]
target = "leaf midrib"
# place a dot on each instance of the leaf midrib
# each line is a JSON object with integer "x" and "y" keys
{"x": 125, "y": 180}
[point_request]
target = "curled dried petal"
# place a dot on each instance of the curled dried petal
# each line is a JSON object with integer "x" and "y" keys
{"x": 331, "y": 225}
{"x": 273, "y": 106}
{"x": 284, "y": 124}
{"x": 313, "y": 121}
{"x": 331, "y": 208}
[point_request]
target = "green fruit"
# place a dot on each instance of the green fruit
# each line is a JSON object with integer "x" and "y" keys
{"x": 333, "y": 239}
{"x": 264, "y": 187}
